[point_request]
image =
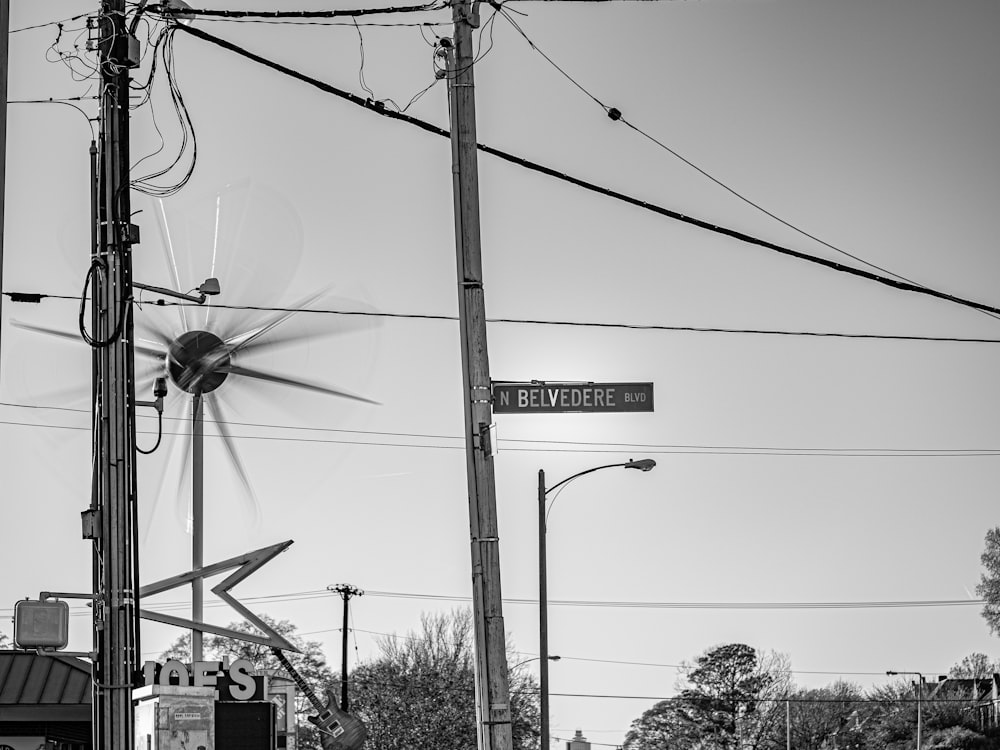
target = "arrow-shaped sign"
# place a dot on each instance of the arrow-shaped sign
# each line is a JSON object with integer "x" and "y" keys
{"x": 247, "y": 564}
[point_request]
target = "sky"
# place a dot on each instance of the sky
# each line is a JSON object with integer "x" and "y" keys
{"x": 791, "y": 469}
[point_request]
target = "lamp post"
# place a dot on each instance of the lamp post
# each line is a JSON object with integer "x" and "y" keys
{"x": 919, "y": 688}
{"x": 644, "y": 464}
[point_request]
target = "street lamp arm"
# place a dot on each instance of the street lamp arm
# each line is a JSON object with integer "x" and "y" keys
{"x": 644, "y": 464}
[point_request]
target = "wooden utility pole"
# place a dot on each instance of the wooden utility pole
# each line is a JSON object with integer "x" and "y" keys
{"x": 346, "y": 591}
{"x": 493, "y": 722}
{"x": 4, "y": 39}
{"x": 112, "y": 515}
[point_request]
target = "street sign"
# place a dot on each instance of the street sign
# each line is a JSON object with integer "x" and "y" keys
{"x": 553, "y": 398}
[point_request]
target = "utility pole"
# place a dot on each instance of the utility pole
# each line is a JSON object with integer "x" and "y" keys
{"x": 346, "y": 591}
{"x": 493, "y": 723}
{"x": 111, "y": 519}
{"x": 4, "y": 40}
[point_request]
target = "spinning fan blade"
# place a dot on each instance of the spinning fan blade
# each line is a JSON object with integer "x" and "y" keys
{"x": 340, "y": 324}
{"x": 148, "y": 349}
{"x": 240, "y": 341}
{"x": 168, "y": 248}
{"x": 75, "y": 337}
{"x": 150, "y": 325}
{"x": 215, "y": 410}
{"x": 248, "y": 372}
{"x": 186, "y": 440}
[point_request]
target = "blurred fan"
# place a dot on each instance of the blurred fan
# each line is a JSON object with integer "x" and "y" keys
{"x": 250, "y": 239}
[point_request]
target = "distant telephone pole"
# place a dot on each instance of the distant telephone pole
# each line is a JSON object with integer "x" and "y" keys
{"x": 111, "y": 518}
{"x": 493, "y": 722}
{"x": 346, "y": 591}
{"x": 4, "y": 41}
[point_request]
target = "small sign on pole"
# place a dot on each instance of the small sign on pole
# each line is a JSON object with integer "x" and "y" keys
{"x": 545, "y": 398}
{"x": 41, "y": 624}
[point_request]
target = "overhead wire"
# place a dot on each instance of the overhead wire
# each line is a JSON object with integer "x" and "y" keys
{"x": 42, "y": 25}
{"x": 616, "y": 115}
{"x": 684, "y": 451}
{"x": 68, "y": 101}
{"x": 148, "y": 183}
{"x": 868, "y": 451}
{"x": 175, "y": 12}
{"x": 34, "y": 297}
{"x": 595, "y": 188}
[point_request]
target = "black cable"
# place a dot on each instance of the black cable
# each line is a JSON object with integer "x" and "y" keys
{"x": 735, "y": 449}
{"x": 67, "y": 102}
{"x": 165, "y": 45}
{"x": 174, "y": 12}
{"x": 50, "y": 23}
{"x": 542, "y": 322}
{"x": 123, "y": 310}
{"x": 592, "y": 187}
{"x": 794, "y": 453}
{"x": 159, "y": 434}
{"x": 616, "y": 115}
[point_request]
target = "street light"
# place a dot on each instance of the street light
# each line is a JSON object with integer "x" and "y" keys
{"x": 919, "y": 688}
{"x": 644, "y": 464}
{"x": 554, "y": 657}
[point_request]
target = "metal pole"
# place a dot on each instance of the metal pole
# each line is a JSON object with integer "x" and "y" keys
{"x": 920, "y": 690}
{"x": 543, "y": 615}
{"x": 493, "y": 717}
{"x": 197, "y": 520}
{"x": 788, "y": 724}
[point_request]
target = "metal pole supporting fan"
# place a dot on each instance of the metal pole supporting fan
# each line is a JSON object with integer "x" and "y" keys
{"x": 249, "y": 239}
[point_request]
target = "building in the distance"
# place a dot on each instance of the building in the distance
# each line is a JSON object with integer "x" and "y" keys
{"x": 579, "y": 742}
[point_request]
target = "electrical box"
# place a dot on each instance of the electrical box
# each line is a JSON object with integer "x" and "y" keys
{"x": 41, "y": 624}
{"x": 172, "y": 717}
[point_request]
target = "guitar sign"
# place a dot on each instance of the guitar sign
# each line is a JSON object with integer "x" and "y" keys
{"x": 338, "y": 729}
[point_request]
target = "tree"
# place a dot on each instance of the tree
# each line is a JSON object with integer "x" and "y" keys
{"x": 821, "y": 717}
{"x": 975, "y": 666}
{"x": 420, "y": 690}
{"x": 989, "y": 581}
{"x": 731, "y": 702}
{"x": 309, "y": 663}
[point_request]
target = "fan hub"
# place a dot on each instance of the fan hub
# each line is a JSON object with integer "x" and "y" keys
{"x": 198, "y": 361}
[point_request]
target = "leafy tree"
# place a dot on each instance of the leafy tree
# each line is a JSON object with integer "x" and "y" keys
{"x": 309, "y": 662}
{"x": 5, "y": 642}
{"x": 730, "y": 703}
{"x": 989, "y": 581}
{"x": 946, "y": 718}
{"x": 821, "y": 717}
{"x": 420, "y": 690}
{"x": 956, "y": 738}
{"x": 975, "y": 666}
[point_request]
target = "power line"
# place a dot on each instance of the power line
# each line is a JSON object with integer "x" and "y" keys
{"x": 702, "y": 605}
{"x": 380, "y": 109}
{"x": 50, "y": 23}
{"x": 604, "y": 604}
{"x": 576, "y": 446}
{"x": 177, "y": 12}
{"x": 36, "y": 297}
{"x": 616, "y": 115}
{"x": 581, "y": 448}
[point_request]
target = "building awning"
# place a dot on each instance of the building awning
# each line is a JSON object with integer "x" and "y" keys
{"x": 44, "y": 688}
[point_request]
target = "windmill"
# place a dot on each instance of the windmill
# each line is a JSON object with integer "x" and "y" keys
{"x": 255, "y": 242}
